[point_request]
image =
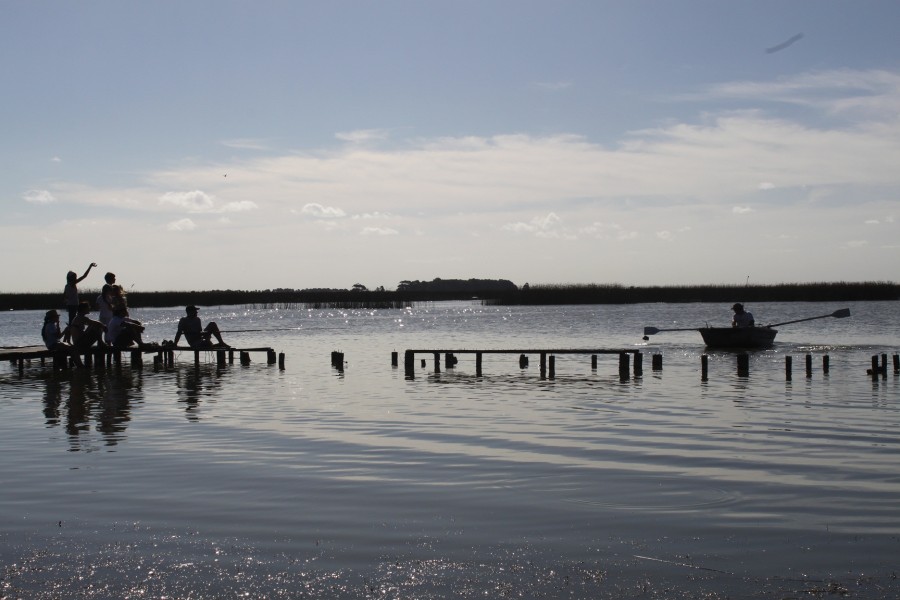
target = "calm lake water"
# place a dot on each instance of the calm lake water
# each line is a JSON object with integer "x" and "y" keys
{"x": 253, "y": 482}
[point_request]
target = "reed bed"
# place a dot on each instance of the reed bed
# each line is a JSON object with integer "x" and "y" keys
{"x": 538, "y": 294}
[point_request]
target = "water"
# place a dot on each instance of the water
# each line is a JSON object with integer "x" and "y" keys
{"x": 254, "y": 482}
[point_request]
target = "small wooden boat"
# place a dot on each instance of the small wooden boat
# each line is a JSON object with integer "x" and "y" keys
{"x": 738, "y": 337}
{"x": 742, "y": 337}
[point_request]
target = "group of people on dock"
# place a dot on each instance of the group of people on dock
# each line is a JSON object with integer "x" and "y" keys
{"x": 114, "y": 327}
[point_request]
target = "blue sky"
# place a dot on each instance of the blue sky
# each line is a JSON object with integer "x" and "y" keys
{"x": 253, "y": 145}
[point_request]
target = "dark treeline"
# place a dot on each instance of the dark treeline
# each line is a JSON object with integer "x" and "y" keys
{"x": 618, "y": 294}
{"x": 495, "y": 295}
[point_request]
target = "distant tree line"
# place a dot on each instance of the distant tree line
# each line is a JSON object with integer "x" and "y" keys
{"x": 488, "y": 291}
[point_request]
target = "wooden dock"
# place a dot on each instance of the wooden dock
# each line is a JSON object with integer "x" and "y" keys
{"x": 101, "y": 357}
{"x": 546, "y": 357}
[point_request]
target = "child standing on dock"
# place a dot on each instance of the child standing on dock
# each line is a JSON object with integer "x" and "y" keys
{"x": 196, "y": 335}
{"x": 70, "y": 293}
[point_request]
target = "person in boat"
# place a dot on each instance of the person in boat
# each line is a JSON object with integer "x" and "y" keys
{"x": 53, "y": 336}
{"x": 70, "y": 293}
{"x": 197, "y": 336}
{"x": 84, "y": 331}
{"x": 124, "y": 331}
{"x": 742, "y": 318}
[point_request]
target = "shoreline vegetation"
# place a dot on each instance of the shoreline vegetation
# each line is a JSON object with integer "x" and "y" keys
{"x": 490, "y": 292}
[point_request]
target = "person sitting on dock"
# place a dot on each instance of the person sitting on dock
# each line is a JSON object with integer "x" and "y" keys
{"x": 124, "y": 331}
{"x": 742, "y": 318}
{"x": 83, "y": 330}
{"x": 53, "y": 336}
{"x": 196, "y": 335}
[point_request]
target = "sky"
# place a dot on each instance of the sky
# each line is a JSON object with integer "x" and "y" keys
{"x": 197, "y": 145}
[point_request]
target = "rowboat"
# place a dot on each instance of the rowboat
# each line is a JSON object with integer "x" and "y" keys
{"x": 738, "y": 337}
{"x": 743, "y": 337}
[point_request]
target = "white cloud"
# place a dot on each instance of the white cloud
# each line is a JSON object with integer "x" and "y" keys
{"x": 193, "y": 201}
{"x": 182, "y": 225}
{"x": 240, "y": 206}
{"x": 665, "y": 235}
{"x": 39, "y": 197}
{"x": 316, "y": 210}
{"x": 856, "y": 244}
{"x": 246, "y": 144}
{"x": 362, "y": 136}
{"x": 741, "y": 210}
{"x": 766, "y": 185}
{"x": 379, "y": 231}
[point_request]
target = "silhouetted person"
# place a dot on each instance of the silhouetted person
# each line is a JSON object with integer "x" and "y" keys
{"x": 196, "y": 335}
{"x": 742, "y": 318}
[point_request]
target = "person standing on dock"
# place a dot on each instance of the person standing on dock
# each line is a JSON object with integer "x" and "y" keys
{"x": 104, "y": 300}
{"x": 742, "y": 318}
{"x": 196, "y": 335}
{"x": 70, "y": 293}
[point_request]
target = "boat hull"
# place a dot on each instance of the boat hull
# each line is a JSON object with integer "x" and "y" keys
{"x": 738, "y": 337}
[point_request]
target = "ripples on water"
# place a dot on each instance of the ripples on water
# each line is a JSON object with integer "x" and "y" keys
{"x": 256, "y": 482}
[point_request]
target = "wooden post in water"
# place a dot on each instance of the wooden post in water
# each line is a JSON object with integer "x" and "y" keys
{"x": 826, "y": 364}
{"x": 245, "y": 359}
{"x": 221, "y": 361}
{"x": 896, "y": 363}
{"x": 337, "y": 360}
{"x": 281, "y": 361}
{"x": 478, "y": 364}
{"x": 624, "y": 363}
{"x": 437, "y": 362}
{"x": 874, "y": 370}
{"x": 270, "y": 357}
{"x": 593, "y": 362}
{"x": 523, "y": 361}
{"x": 394, "y": 359}
{"x": 552, "y": 367}
{"x": 743, "y": 364}
{"x": 197, "y": 359}
{"x": 137, "y": 359}
{"x": 543, "y": 365}
{"x": 704, "y": 367}
{"x": 409, "y": 360}
{"x": 656, "y": 362}
{"x": 638, "y": 364}
{"x": 788, "y": 363}
{"x": 809, "y": 366}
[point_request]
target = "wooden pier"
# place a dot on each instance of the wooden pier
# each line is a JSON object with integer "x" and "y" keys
{"x": 101, "y": 357}
{"x": 547, "y": 357}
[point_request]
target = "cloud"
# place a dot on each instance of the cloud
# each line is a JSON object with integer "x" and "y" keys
{"x": 379, "y": 231}
{"x": 316, "y": 210}
{"x": 856, "y": 244}
{"x": 39, "y": 197}
{"x": 741, "y": 210}
{"x": 546, "y": 226}
{"x": 765, "y": 185}
{"x": 245, "y": 144}
{"x": 193, "y": 201}
{"x": 240, "y": 206}
{"x": 182, "y": 225}
{"x": 362, "y": 136}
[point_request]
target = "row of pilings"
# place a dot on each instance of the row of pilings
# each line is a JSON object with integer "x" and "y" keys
{"x": 879, "y": 368}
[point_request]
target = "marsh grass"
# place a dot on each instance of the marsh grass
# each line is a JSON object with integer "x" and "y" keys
{"x": 538, "y": 294}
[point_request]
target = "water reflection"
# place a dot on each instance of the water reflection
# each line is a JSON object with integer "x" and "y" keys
{"x": 80, "y": 398}
{"x": 196, "y": 383}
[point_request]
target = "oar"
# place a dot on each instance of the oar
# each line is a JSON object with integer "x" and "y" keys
{"x": 838, "y": 314}
{"x": 654, "y": 330}
{"x": 255, "y": 330}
